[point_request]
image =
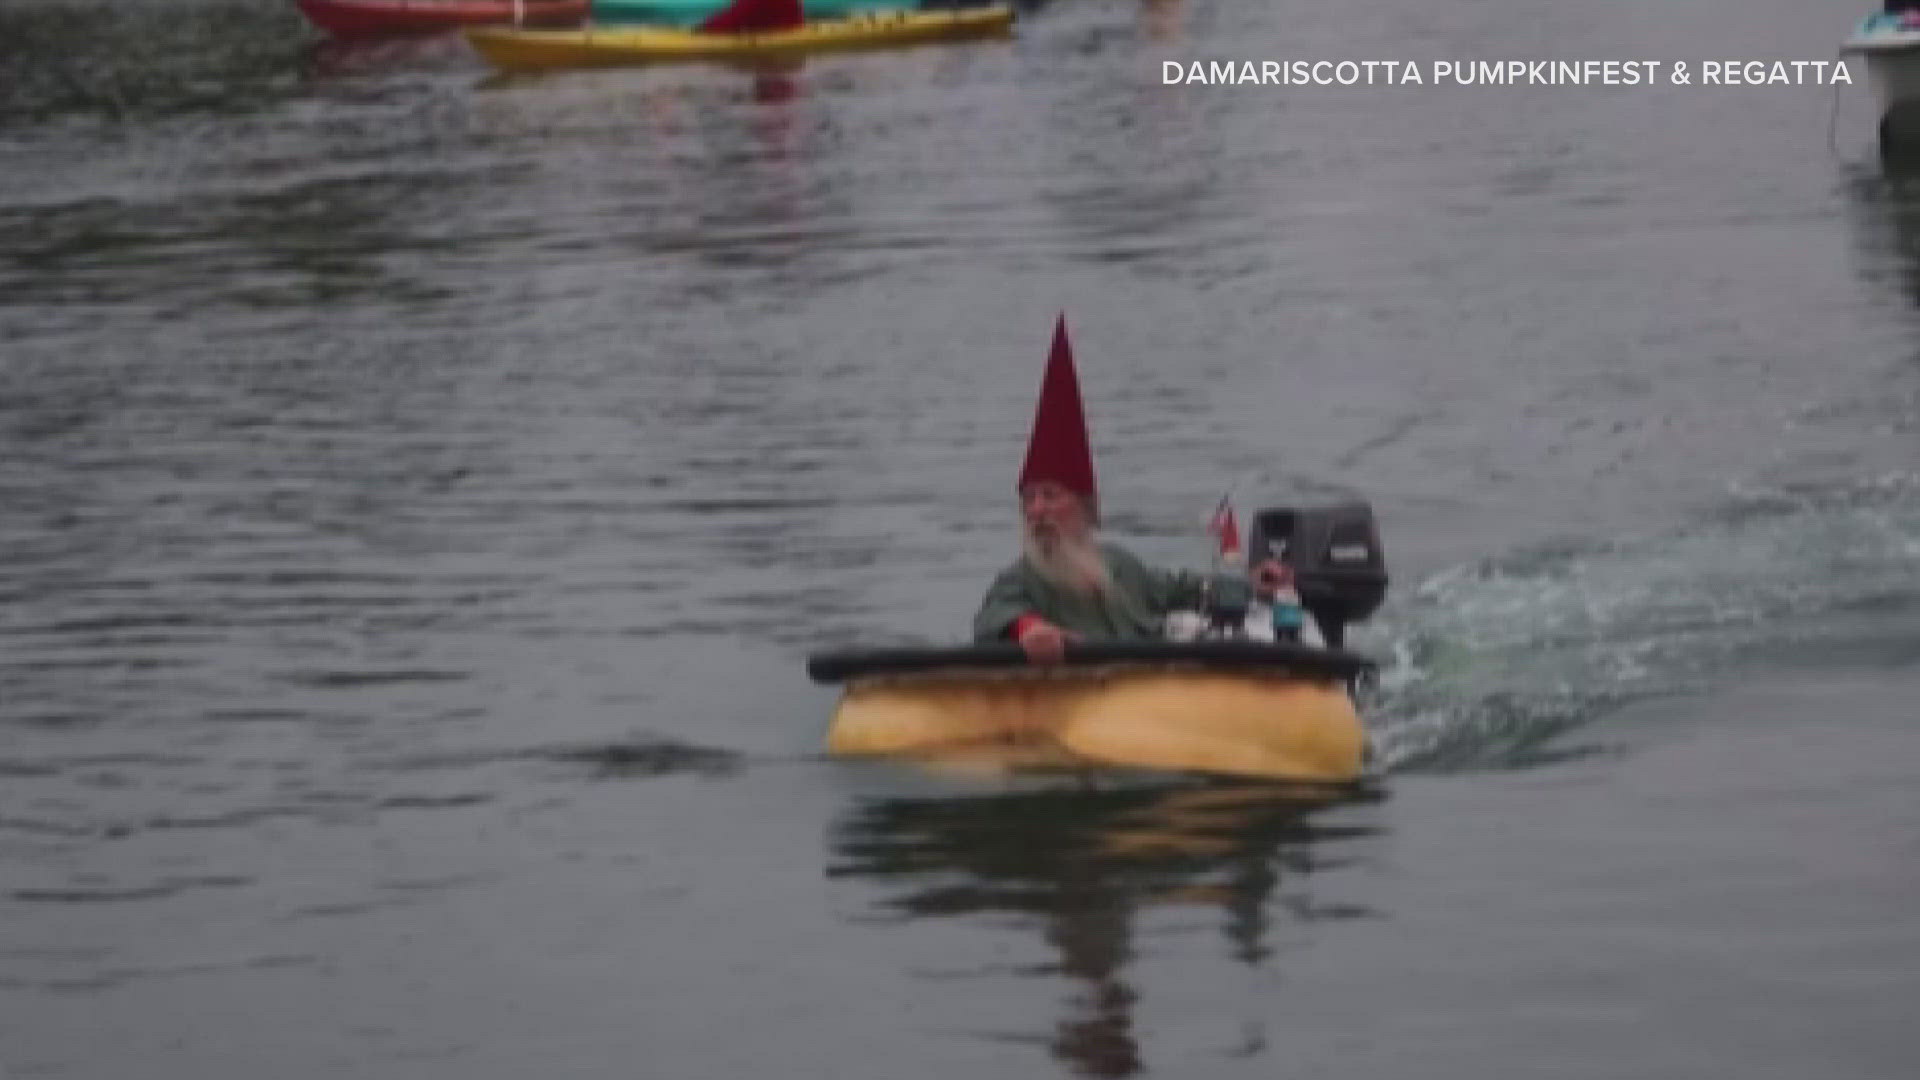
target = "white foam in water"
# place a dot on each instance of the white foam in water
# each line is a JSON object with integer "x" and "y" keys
{"x": 1486, "y": 657}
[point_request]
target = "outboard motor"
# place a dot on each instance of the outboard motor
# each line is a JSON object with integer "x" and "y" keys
{"x": 1338, "y": 565}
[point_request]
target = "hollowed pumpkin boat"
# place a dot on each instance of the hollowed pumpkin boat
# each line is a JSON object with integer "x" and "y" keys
{"x": 1242, "y": 708}
{"x": 1280, "y": 710}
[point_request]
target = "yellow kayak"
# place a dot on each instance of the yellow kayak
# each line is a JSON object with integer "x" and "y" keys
{"x": 1230, "y": 708}
{"x": 543, "y": 50}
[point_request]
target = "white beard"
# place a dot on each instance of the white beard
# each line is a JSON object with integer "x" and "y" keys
{"x": 1075, "y": 565}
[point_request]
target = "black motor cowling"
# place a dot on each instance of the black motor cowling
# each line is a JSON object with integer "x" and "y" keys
{"x": 1339, "y": 567}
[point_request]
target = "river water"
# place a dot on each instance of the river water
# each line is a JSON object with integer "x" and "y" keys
{"x": 419, "y": 492}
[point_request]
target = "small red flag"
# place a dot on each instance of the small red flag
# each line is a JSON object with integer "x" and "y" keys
{"x": 1225, "y": 529}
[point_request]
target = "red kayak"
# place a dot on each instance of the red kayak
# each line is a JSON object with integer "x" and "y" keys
{"x": 386, "y": 18}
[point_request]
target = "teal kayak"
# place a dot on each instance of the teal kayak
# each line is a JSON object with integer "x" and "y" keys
{"x": 690, "y": 12}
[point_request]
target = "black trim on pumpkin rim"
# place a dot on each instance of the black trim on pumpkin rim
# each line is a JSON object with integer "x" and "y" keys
{"x": 1278, "y": 657}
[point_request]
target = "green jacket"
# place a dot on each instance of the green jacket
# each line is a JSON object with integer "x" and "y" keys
{"x": 1135, "y": 609}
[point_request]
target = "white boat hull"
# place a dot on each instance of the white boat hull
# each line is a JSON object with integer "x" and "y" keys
{"x": 1892, "y": 58}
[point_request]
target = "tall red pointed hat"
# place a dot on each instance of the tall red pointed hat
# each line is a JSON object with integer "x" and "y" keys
{"x": 1058, "y": 449}
{"x": 753, "y": 16}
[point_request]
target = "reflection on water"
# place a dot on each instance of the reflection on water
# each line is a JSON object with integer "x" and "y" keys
{"x": 1889, "y": 232}
{"x": 1885, "y": 205}
{"x": 1085, "y": 864}
{"x": 1163, "y": 21}
{"x": 342, "y": 58}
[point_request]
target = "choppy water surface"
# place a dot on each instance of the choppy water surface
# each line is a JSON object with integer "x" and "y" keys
{"x": 419, "y": 490}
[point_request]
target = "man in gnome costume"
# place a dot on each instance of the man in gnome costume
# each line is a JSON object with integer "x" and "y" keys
{"x": 1069, "y": 585}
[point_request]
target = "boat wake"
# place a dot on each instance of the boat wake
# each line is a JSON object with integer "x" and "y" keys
{"x": 1498, "y": 664}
